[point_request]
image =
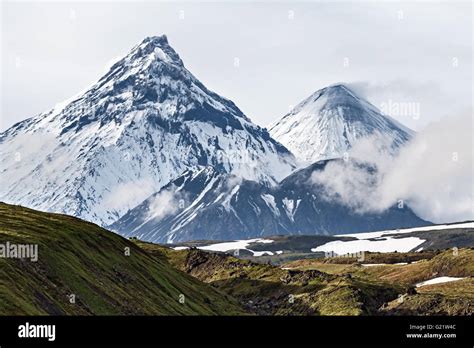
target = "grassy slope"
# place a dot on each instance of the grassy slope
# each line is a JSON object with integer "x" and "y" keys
{"x": 266, "y": 289}
{"x": 76, "y": 257}
{"x": 453, "y": 298}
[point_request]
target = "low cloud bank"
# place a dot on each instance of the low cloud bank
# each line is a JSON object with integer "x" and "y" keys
{"x": 433, "y": 173}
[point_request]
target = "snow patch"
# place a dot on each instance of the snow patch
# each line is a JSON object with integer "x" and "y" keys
{"x": 369, "y": 235}
{"x": 385, "y": 245}
{"x": 439, "y": 280}
{"x": 238, "y": 245}
{"x": 270, "y": 202}
{"x": 290, "y": 207}
{"x": 180, "y": 248}
{"x": 383, "y": 264}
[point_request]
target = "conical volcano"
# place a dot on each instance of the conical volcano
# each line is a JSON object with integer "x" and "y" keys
{"x": 140, "y": 126}
{"x": 327, "y": 124}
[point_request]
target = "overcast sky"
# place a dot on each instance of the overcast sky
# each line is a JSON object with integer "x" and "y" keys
{"x": 416, "y": 55}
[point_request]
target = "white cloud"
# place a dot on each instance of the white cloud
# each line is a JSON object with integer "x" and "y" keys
{"x": 135, "y": 192}
{"x": 233, "y": 181}
{"x": 165, "y": 203}
{"x": 433, "y": 174}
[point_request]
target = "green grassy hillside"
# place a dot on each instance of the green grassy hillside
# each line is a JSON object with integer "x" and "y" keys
{"x": 80, "y": 258}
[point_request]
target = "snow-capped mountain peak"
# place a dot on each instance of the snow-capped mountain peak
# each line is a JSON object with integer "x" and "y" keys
{"x": 146, "y": 121}
{"x": 328, "y": 122}
{"x": 158, "y": 48}
{"x": 336, "y": 94}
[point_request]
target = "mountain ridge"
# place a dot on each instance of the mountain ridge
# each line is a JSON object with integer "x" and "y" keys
{"x": 210, "y": 205}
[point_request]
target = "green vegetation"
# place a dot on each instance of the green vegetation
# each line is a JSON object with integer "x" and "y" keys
{"x": 80, "y": 258}
{"x": 325, "y": 287}
{"x": 268, "y": 290}
{"x": 112, "y": 275}
{"x": 451, "y": 298}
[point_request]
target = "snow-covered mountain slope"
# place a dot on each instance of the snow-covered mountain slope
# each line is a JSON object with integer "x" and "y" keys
{"x": 327, "y": 123}
{"x": 141, "y": 125}
{"x": 210, "y": 205}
